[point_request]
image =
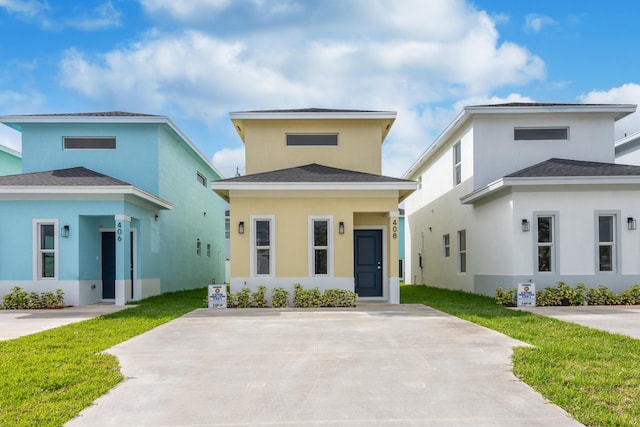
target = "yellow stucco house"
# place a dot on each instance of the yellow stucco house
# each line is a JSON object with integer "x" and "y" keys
{"x": 313, "y": 207}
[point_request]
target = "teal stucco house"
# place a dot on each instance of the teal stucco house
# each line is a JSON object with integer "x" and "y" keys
{"x": 10, "y": 161}
{"x": 109, "y": 207}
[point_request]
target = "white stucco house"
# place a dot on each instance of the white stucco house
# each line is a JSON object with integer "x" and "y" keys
{"x": 523, "y": 192}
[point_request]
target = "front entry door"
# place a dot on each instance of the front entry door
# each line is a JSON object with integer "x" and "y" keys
{"x": 367, "y": 260}
{"x": 109, "y": 264}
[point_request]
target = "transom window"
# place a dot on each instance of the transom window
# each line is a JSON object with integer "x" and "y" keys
{"x": 313, "y": 140}
{"x": 457, "y": 164}
{"x": 539, "y": 133}
{"x": 545, "y": 243}
{"x": 606, "y": 242}
{"x": 89, "y": 143}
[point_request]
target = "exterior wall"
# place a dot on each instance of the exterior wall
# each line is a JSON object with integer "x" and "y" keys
{"x": 197, "y": 213}
{"x": 359, "y": 145}
{"x": 10, "y": 161}
{"x": 496, "y": 154}
{"x": 79, "y": 256}
{"x": 291, "y": 212}
{"x": 135, "y": 159}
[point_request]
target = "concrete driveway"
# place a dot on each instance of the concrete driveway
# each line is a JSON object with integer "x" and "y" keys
{"x": 18, "y": 323}
{"x": 376, "y": 365}
{"x": 619, "y": 319}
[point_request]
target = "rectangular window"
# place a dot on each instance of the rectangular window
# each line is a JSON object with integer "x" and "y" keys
{"x": 201, "y": 179}
{"x": 312, "y": 140}
{"x": 209, "y": 250}
{"x": 457, "y": 164}
{"x": 533, "y": 134}
{"x": 462, "y": 251}
{"x": 606, "y": 242}
{"x": 320, "y": 247}
{"x": 446, "y": 246}
{"x": 198, "y": 247}
{"x": 46, "y": 245}
{"x": 545, "y": 244}
{"x": 227, "y": 228}
{"x": 89, "y": 143}
{"x": 263, "y": 246}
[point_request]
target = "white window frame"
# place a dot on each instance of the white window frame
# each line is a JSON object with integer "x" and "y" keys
{"x": 457, "y": 163}
{"x": 328, "y": 248}
{"x": 552, "y": 245}
{"x": 37, "y": 251}
{"x": 462, "y": 253}
{"x": 613, "y": 244}
{"x": 271, "y": 247}
{"x": 446, "y": 245}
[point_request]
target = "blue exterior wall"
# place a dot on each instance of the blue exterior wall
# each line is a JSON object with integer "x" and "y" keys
{"x": 151, "y": 157}
{"x": 135, "y": 159}
{"x": 10, "y": 164}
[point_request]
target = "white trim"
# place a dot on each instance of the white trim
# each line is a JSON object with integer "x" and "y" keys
{"x": 10, "y": 151}
{"x": 555, "y": 222}
{"x": 615, "y": 245}
{"x": 270, "y": 115}
{"x": 272, "y": 245}
{"x": 221, "y": 185}
{"x": 311, "y": 246}
{"x": 122, "y": 218}
{"x": 35, "y": 224}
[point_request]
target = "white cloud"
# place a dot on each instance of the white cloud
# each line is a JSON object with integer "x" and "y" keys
{"x": 28, "y": 10}
{"x": 103, "y": 16}
{"x": 626, "y": 94}
{"x": 534, "y": 22}
{"x": 229, "y": 161}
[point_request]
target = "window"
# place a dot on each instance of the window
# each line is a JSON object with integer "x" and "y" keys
{"x": 462, "y": 251}
{"x": 532, "y": 134}
{"x": 201, "y": 179}
{"x": 227, "y": 228}
{"x": 320, "y": 238}
{"x": 545, "y": 244}
{"x": 198, "y": 247}
{"x": 457, "y": 164}
{"x": 446, "y": 246}
{"x": 46, "y": 246}
{"x": 209, "y": 250}
{"x": 606, "y": 242}
{"x": 312, "y": 140}
{"x": 262, "y": 242}
{"x": 89, "y": 143}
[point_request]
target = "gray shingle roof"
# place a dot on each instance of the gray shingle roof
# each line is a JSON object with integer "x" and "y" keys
{"x": 565, "y": 167}
{"x": 311, "y": 110}
{"x": 535, "y": 104}
{"x": 313, "y": 173}
{"x": 73, "y": 177}
{"x": 96, "y": 114}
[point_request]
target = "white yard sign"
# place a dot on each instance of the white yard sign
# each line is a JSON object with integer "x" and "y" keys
{"x": 217, "y": 296}
{"x": 526, "y": 295}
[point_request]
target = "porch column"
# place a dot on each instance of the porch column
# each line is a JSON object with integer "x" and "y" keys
{"x": 392, "y": 245}
{"x": 123, "y": 258}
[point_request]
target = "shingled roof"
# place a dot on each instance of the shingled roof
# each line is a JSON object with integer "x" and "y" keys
{"x": 95, "y": 114}
{"x": 310, "y": 110}
{"x": 73, "y": 177}
{"x": 314, "y": 173}
{"x": 565, "y": 168}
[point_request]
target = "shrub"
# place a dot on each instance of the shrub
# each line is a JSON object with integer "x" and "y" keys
{"x": 259, "y": 297}
{"x": 21, "y": 299}
{"x": 307, "y": 297}
{"x": 506, "y": 298}
{"x": 630, "y": 296}
{"x": 243, "y": 298}
{"x": 601, "y": 296}
{"x": 279, "y": 298}
{"x": 561, "y": 294}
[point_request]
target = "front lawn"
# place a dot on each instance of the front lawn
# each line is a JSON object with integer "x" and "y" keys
{"x": 593, "y": 375}
{"x": 49, "y": 377}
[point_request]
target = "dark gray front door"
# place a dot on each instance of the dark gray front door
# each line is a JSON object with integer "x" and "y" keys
{"x": 109, "y": 264}
{"x": 367, "y": 260}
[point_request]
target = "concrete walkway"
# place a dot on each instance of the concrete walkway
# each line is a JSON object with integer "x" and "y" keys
{"x": 619, "y": 319}
{"x": 376, "y": 365}
{"x": 17, "y": 323}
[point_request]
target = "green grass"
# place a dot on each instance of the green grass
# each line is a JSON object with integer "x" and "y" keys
{"x": 594, "y": 375}
{"x": 49, "y": 377}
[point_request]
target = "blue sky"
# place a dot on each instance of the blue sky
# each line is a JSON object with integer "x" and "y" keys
{"x": 197, "y": 60}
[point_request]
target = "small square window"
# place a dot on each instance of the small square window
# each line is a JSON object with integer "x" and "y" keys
{"x": 201, "y": 179}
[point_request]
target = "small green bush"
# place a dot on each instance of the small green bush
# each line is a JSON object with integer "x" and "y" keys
{"x": 244, "y": 298}
{"x": 258, "y": 299}
{"x": 561, "y": 294}
{"x": 601, "y": 296}
{"x": 506, "y": 298}
{"x": 279, "y": 298}
{"x": 307, "y": 297}
{"x": 630, "y": 296}
{"x": 21, "y": 299}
